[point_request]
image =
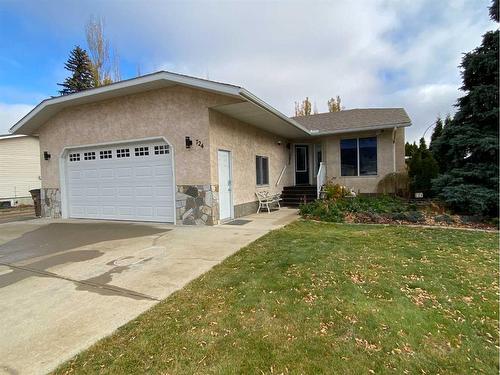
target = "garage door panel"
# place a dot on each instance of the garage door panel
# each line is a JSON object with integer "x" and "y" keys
{"x": 125, "y": 192}
{"x": 144, "y": 192}
{"x": 91, "y": 174}
{"x": 143, "y": 172}
{"x": 106, "y": 173}
{"x": 108, "y": 210}
{"x": 121, "y": 187}
{"x": 108, "y": 191}
{"x": 124, "y": 172}
{"x": 92, "y": 192}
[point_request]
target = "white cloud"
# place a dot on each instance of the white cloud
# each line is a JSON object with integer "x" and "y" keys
{"x": 284, "y": 51}
{"x": 10, "y": 114}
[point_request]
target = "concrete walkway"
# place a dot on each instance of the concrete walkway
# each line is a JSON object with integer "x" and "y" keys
{"x": 64, "y": 284}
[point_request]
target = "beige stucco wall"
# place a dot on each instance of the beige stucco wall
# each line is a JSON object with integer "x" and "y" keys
{"x": 19, "y": 166}
{"x": 365, "y": 184}
{"x": 246, "y": 142}
{"x": 174, "y": 113}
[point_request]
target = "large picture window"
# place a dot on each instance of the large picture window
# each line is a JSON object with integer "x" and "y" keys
{"x": 262, "y": 170}
{"x": 358, "y": 156}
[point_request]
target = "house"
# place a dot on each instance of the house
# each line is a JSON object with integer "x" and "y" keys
{"x": 19, "y": 169}
{"x": 172, "y": 148}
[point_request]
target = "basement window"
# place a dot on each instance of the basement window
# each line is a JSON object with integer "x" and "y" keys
{"x": 262, "y": 170}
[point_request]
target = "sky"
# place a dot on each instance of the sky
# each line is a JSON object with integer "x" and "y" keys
{"x": 373, "y": 53}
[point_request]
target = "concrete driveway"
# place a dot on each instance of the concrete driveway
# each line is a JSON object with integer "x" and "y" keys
{"x": 64, "y": 284}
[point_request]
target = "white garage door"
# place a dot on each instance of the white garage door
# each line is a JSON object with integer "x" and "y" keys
{"x": 121, "y": 182}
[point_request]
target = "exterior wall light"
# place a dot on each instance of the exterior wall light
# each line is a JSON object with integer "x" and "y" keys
{"x": 189, "y": 142}
{"x": 46, "y": 155}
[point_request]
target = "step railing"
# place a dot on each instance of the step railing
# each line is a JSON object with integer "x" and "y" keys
{"x": 320, "y": 178}
{"x": 281, "y": 175}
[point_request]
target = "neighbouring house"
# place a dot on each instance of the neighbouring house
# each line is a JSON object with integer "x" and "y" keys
{"x": 172, "y": 148}
{"x": 19, "y": 169}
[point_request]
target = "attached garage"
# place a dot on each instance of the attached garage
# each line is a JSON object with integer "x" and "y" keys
{"x": 124, "y": 181}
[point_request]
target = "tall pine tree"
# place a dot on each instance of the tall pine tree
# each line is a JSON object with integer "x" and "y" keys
{"x": 469, "y": 143}
{"x": 82, "y": 77}
{"x": 438, "y": 130}
{"x": 422, "y": 168}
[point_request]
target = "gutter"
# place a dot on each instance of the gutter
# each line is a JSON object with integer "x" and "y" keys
{"x": 379, "y": 127}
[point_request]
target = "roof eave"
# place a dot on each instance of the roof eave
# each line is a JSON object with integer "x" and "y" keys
{"x": 121, "y": 86}
{"x": 247, "y": 95}
{"x": 366, "y": 128}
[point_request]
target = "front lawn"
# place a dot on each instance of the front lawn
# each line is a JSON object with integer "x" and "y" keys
{"x": 324, "y": 298}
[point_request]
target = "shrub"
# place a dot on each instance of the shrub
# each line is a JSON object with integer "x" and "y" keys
{"x": 335, "y": 191}
{"x": 444, "y": 219}
{"x": 410, "y": 216}
{"x": 336, "y": 210}
{"x": 396, "y": 183}
{"x": 322, "y": 210}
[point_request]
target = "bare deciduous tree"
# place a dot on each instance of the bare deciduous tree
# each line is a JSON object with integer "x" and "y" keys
{"x": 103, "y": 62}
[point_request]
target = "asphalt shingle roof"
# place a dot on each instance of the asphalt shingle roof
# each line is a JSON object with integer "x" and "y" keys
{"x": 354, "y": 119}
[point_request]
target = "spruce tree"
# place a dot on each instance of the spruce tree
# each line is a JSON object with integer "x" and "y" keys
{"x": 422, "y": 168}
{"x": 436, "y": 133}
{"x": 469, "y": 143}
{"x": 82, "y": 77}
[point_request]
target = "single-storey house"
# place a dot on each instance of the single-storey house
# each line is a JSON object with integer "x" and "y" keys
{"x": 19, "y": 169}
{"x": 173, "y": 148}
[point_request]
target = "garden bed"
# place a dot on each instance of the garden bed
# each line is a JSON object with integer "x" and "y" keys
{"x": 389, "y": 210}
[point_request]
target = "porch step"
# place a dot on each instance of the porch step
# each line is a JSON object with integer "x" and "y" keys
{"x": 294, "y": 196}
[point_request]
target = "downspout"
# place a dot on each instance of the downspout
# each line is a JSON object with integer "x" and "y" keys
{"x": 394, "y": 149}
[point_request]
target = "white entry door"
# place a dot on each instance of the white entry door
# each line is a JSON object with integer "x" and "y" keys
{"x": 225, "y": 186}
{"x": 121, "y": 182}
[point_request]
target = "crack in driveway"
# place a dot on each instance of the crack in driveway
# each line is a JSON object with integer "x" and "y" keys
{"x": 85, "y": 284}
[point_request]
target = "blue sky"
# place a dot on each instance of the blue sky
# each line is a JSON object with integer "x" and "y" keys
{"x": 372, "y": 53}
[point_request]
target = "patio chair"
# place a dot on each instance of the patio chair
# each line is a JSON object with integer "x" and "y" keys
{"x": 266, "y": 200}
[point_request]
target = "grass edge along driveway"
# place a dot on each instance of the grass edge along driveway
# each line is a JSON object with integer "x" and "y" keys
{"x": 324, "y": 298}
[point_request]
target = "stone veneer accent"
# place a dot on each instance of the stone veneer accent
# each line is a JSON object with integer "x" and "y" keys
{"x": 197, "y": 204}
{"x": 50, "y": 202}
{"x": 194, "y": 204}
{"x": 245, "y": 209}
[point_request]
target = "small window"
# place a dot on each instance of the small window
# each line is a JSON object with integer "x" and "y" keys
{"x": 262, "y": 170}
{"x": 161, "y": 149}
{"x": 123, "y": 153}
{"x": 141, "y": 151}
{"x": 106, "y": 154}
{"x": 74, "y": 157}
{"x": 89, "y": 155}
{"x": 358, "y": 156}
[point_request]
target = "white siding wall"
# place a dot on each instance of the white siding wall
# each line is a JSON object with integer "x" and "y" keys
{"x": 19, "y": 166}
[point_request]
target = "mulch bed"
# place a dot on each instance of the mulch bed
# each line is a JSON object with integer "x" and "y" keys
{"x": 453, "y": 221}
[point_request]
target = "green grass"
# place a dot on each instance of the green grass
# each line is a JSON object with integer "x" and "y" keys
{"x": 324, "y": 298}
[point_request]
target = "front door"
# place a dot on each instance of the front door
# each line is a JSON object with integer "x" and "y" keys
{"x": 225, "y": 188}
{"x": 301, "y": 165}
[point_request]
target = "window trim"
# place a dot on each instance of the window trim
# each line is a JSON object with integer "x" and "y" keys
{"x": 357, "y": 156}
{"x": 262, "y": 157}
